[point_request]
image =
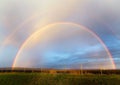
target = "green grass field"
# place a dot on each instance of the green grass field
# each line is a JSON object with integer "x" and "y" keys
{"x": 57, "y": 79}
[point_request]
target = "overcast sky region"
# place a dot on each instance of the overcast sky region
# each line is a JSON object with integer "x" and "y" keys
{"x": 60, "y": 33}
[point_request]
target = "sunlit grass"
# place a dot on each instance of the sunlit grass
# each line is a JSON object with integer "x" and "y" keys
{"x": 57, "y": 79}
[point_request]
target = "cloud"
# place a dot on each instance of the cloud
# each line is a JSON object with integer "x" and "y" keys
{"x": 100, "y": 16}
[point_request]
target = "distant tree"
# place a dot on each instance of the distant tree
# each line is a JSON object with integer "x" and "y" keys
{"x": 52, "y": 71}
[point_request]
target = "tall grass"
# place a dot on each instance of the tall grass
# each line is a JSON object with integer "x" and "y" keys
{"x": 57, "y": 79}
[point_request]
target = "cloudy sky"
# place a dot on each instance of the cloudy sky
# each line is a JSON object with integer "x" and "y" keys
{"x": 60, "y": 33}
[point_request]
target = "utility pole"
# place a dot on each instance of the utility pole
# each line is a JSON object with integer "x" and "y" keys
{"x": 101, "y": 70}
{"x": 81, "y": 69}
{"x": 64, "y": 69}
{"x": 24, "y": 69}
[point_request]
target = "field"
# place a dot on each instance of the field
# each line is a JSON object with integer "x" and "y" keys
{"x": 16, "y": 78}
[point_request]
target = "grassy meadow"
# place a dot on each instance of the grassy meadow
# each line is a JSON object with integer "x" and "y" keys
{"x": 57, "y": 79}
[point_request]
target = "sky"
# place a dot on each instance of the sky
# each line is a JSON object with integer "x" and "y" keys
{"x": 60, "y": 34}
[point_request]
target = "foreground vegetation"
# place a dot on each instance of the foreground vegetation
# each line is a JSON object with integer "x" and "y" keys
{"x": 57, "y": 79}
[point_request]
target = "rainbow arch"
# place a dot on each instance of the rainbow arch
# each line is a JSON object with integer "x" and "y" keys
{"x": 61, "y": 23}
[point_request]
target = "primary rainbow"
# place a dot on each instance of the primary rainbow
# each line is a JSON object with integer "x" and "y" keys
{"x": 60, "y": 23}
